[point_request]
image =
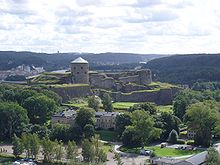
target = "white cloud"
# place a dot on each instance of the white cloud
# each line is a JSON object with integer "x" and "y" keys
{"x": 138, "y": 26}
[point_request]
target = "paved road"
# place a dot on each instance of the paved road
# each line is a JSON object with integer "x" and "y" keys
{"x": 127, "y": 158}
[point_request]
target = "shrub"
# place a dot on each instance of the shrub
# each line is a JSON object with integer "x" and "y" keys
{"x": 180, "y": 141}
{"x": 173, "y": 136}
{"x": 190, "y": 142}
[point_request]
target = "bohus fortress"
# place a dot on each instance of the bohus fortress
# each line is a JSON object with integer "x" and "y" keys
{"x": 129, "y": 86}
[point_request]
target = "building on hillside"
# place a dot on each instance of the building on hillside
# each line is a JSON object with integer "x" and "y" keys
{"x": 198, "y": 159}
{"x": 64, "y": 117}
{"x": 106, "y": 120}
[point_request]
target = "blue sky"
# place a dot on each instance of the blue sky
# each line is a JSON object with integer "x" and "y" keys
{"x": 136, "y": 26}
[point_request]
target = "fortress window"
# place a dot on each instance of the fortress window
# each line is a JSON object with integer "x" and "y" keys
{"x": 74, "y": 68}
{"x": 85, "y": 72}
{"x": 77, "y": 72}
{"x": 81, "y": 67}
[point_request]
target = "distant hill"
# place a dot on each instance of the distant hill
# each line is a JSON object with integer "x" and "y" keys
{"x": 11, "y": 59}
{"x": 186, "y": 69}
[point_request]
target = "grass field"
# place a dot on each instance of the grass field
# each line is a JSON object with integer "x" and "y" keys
{"x": 161, "y": 151}
{"x": 107, "y": 135}
{"x": 165, "y": 108}
{"x": 123, "y": 105}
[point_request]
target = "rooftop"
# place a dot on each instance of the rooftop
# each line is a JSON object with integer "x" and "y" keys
{"x": 79, "y": 60}
{"x": 98, "y": 114}
{"x": 68, "y": 113}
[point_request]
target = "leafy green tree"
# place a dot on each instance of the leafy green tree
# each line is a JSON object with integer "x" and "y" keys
{"x": 17, "y": 146}
{"x": 149, "y": 107}
{"x": 89, "y": 131}
{"x": 88, "y": 151}
{"x": 100, "y": 155}
{"x": 71, "y": 150}
{"x": 205, "y": 117}
{"x": 167, "y": 122}
{"x": 129, "y": 138}
{"x": 94, "y": 102}
{"x": 121, "y": 122}
{"x": 107, "y": 102}
{"x": 39, "y": 108}
{"x": 213, "y": 157}
{"x": 13, "y": 119}
{"x": 48, "y": 148}
{"x": 85, "y": 116}
{"x": 173, "y": 136}
{"x": 9, "y": 95}
{"x": 60, "y": 132}
{"x": 26, "y": 143}
{"x": 143, "y": 124}
{"x": 58, "y": 150}
{"x": 34, "y": 145}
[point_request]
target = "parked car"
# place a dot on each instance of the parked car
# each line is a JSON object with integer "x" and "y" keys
{"x": 146, "y": 152}
{"x": 25, "y": 161}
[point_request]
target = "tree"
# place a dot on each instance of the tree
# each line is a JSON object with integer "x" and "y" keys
{"x": 94, "y": 102}
{"x": 204, "y": 117}
{"x": 150, "y": 107}
{"x": 39, "y": 108}
{"x": 213, "y": 157}
{"x": 100, "y": 155}
{"x": 85, "y": 116}
{"x": 88, "y": 151}
{"x": 107, "y": 102}
{"x": 13, "y": 119}
{"x": 89, "y": 131}
{"x": 34, "y": 145}
{"x": 17, "y": 146}
{"x": 167, "y": 122}
{"x": 173, "y": 136}
{"x": 58, "y": 150}
{"x": 71, "y": 150}
{"x": 60, "y": 132}
{"x": 48, "y": 147}
{"x": 143, "y": 124}
{"x": 129, "y": 139}
{"x": 121, "y": 122}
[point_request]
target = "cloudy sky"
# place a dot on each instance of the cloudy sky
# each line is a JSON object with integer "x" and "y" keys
{"x": 138, "y": 26}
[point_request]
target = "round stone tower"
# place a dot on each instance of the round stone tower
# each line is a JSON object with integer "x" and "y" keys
{"x": 80, "y": 71}
{"x": 145, "y": 77}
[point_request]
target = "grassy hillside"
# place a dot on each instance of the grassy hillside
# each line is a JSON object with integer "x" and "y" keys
{"x": 186, "y": 69}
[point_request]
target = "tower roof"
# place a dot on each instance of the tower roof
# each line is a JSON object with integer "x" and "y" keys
{"x": 79, "y": 60}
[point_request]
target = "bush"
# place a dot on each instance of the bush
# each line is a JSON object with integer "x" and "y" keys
{"x": 190, "y": 142}
{"x": 173, "y": 136}
{"x": 180, "y": 141}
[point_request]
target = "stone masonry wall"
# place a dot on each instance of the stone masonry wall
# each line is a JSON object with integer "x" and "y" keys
{"x": 67, "y": 93}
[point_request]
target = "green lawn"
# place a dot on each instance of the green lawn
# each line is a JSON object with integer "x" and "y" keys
{"x": 165, "y": 108}
{"x": 107, "y": 147}
{"x": 77, "y": 105}
{"x": 161, "y": 151}
{"x": 5, "y": 159}
{"x": 107, "y": 135}
{"x": 123, "y": 105}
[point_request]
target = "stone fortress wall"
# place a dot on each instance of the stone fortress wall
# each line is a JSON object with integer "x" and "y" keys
{"x": 129, "y": 86}
{"x": 117, "y": 80}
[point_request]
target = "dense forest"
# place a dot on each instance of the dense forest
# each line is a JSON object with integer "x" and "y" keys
{"x": 186, "y": 69}
{"x": 11, "y": 59}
